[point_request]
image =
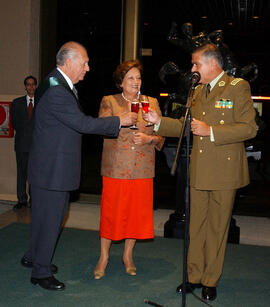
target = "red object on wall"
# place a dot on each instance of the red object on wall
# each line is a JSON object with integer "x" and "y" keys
{"x": 6, "y": 129}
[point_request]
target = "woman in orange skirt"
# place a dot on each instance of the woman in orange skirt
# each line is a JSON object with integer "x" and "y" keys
{"x": 128, "y": 164}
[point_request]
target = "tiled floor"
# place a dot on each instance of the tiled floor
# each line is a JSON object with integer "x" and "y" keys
{"x": 85, "y": 213}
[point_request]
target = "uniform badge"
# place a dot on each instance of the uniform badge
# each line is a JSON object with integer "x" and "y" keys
{"x": 236, "y": 80}
{"x": 221, "y": 83}
{"x": 224, "y": 104}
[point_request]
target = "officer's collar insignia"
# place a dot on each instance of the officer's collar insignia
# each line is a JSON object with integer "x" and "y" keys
{"x": 221, "y": 83}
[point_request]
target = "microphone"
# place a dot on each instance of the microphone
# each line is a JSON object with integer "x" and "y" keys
{"x": 195, "y": 77}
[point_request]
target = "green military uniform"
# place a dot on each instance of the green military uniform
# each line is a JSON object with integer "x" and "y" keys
{"x": 217, "y": 169}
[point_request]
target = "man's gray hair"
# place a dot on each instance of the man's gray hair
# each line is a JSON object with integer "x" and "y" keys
{"x": 210, "y": 50}
{"x": 67, "y": 52}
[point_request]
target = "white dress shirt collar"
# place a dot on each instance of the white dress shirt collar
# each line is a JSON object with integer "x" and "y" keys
{"x": 66, "y": 78}
{"x": 214, "y": 82}
{"x": 28, "y": 100}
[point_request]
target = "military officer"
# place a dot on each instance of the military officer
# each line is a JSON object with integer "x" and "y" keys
{"x": 222, "y": 118}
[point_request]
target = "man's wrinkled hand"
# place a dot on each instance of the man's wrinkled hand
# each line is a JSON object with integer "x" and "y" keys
{"x": 128, "y": 119}
{"x": 151, "y": 116}
{"x": 199, "y": 128}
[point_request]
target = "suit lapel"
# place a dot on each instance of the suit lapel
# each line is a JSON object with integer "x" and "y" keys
{"x": 64, "y": 83}
{"x": 24, "y": 108}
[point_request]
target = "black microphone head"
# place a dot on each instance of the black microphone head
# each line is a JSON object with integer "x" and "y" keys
{"x": 195, "y": 77}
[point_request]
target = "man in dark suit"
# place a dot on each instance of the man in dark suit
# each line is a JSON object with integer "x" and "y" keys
{"x": 55, "y": 157}
{"x": 22, "y": 121}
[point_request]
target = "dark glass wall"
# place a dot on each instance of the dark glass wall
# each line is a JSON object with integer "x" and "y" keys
{"x": 97, "y": 25}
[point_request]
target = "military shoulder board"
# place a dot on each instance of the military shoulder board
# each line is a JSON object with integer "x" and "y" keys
{"x": 236, "y": 80}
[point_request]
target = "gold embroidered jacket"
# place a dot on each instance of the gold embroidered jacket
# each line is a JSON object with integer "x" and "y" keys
{"x": 121, "y": 158}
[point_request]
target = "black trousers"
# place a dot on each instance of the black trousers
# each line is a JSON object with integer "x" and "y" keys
{"x": 48, "y": 211}
{"x": 22, "y": 162}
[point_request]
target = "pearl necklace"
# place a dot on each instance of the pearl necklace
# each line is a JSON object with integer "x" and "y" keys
{"x": 128, "y": 99}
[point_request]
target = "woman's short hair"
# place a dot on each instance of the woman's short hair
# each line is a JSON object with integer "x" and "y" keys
{"x": 122, "y": 69}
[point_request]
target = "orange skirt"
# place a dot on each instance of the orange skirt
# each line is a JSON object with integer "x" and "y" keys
{"x": 127, "y": 209}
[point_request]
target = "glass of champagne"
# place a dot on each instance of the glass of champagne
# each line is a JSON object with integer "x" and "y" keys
{"x": 134, "y": 108}
{"x": 145, "y": 106}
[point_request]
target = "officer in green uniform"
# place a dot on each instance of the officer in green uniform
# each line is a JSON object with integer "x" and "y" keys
{"x": 222, "y": 118}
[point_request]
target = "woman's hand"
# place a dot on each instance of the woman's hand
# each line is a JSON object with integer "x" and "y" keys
{"x": 140, "y": 138}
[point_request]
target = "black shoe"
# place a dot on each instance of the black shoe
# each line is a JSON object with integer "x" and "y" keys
{"x": 29, "y": 264}
{"x": 189, "y": 287}
{"x": 48, "y": 283}
{"x": 19, "y": 205}
{"x": 209, "y": 293}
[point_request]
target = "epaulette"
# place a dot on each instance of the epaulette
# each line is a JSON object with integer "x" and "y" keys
{"x": 197, "y": 86}
{"x": 235, "y": 81}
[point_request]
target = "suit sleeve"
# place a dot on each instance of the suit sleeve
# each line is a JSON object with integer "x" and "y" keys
{"x": 64, "y": 107}
{"x": 170, "y": 127}
{"x": 244, "y": 125}
{"x": 160, "y": 144}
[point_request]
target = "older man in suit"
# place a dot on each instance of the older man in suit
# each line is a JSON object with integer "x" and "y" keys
{"x": 55, "y": 156}
{"x": 222, "y": 118}
{"x": 22, "y": 121}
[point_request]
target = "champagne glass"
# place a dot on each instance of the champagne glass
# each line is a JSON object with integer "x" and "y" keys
{"x": 145, "y": 106}
{"x": 134, "y": 108}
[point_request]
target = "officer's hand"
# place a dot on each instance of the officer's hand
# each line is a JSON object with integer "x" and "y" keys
{"x": 151, "y": 116}
{"x": 200, "y": 128}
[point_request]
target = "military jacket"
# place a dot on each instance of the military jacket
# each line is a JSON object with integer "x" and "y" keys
{"x": 228, "y": 108}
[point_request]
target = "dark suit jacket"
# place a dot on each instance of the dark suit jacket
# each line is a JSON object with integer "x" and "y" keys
{"x": 55, "y": 155}
{"x": 22, "y": 125}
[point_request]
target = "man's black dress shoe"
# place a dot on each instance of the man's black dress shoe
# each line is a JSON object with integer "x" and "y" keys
{"x": 19, "y": 205}
{"x": 29, "y": 264}
{"x": 189, "y": 287}
{"x": 209, "y": 293}
{"x": 48, "y": 283}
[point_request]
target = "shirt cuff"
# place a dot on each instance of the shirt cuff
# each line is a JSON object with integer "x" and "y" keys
{"x": 212, "y": 138}
{"x": 156, "y": 126}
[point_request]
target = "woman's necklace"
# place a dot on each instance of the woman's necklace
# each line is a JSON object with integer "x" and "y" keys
{"x": 128, "y": 99}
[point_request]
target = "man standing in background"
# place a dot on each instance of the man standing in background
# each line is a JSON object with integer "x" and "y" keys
{"x": 22, "y": 122}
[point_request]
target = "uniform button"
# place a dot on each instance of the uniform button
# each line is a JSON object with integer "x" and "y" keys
{"x": 203, "y": 113}
{"x": 132, "y": 147}
{"x": 222, "y": 122}
{"x": 200, "y": 150}
{"x": 201, "y": 137}
{"x": 229, "y": 158}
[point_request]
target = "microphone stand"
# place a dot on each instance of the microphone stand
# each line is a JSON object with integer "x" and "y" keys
{"x": 186, "y": 124}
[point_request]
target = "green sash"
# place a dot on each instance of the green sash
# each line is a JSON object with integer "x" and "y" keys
{"x": 50, "y": 82}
